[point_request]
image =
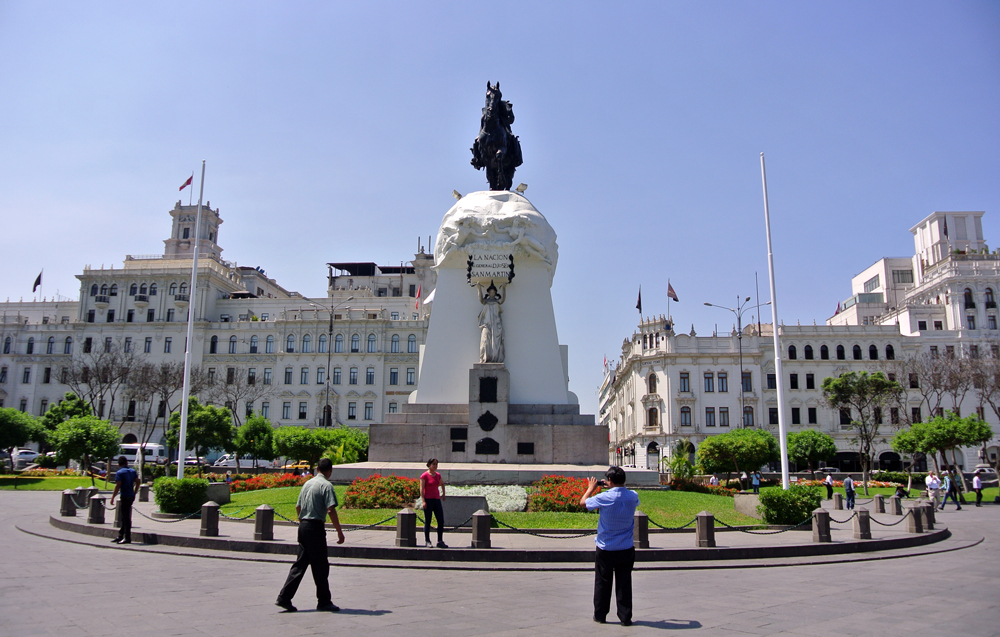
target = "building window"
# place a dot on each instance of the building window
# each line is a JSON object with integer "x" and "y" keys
{"x": 811, "y": 413}
{"x": 31, "y": 346}
{"x": 68, "y": 345}
{"x": 748, "y": 416}
{"x": 394, "y": 376}
{"x": 934, "y": 351}
{"x": 128, "y": 344}
{"x": 265, "y": 409}
{"x": 872, "y": 284}
{"x": 747, "y": 382}
{"x": 170, "y": 316}
{"x": 152, "y": 289}
{"x": 252, "y": 376}
{"x": 371, "y": 343}
{"x": 772, "y": 381}
{"x": 890, "y": 353}
{"x": 793, "y": 379}
{"x": 938, "y": 325}
{"x": 915, "y": 414}
{"x": 685, "y": 416}
{"x": 394, "y": 344}
{"x": 969, "y": 301}
{"x": 213, "y": 345}
{"x": 249, "y": 410}
{"x": 791, "y": 353}
{"x": 796, "y": 416}
{"x": 970, "y": 322}
{"x": 91, "y": 316}
{"x": 230, "y": 375}
{"x": 709, "y": 381}
{"x": 3, "y": 375}
{"x": 355, "y": 344}
{"x": 872, "y": 353}
{"x": 288, "y": 375}
{"x": 845, "y": 417}
{"x": 856, "y": 350}
{"x": 133, "y": 289}
{"x": 685, "y": 382}
{"x": 320, "y": 375}
{"x": 411, "y": 344}
{"x": 253, "y": 344}
{"x": 290, "y": 343}
{"x": 267, "y": 375}
{"x": 306, "y": 344}
{"x": 840, "y": 353}
{"x": 810, "y": 381}
{"x": 370, "y": 376}
{"x": 808, "y": 352}
{"x": 723, "y": 382}
{"x": 50, "y": 345}
{"x": 173, "y": 289}
{"x": 353, "y": 376}
{"x": 973, "y": 351}
{"x": 336, "y": 376}
{"x": 772, "y": 415}
{"x": 411, "y": 376}
{"x": 322, "y": 344}
{"x": 824, "y": 352}
{"x": 914, "y": 382}
{"x": 709, "y": 416}
{"x": 211, "y": 375}
{"x": 352, "y": 411}
{"x": 232, "y": 344}
{"x": 286, "y": 410}
{"x": 107, "y": 344}
{"x": 24, "y": 404}
{"x": 88, "y": 344}
{"x": 338, "y": 344}
{"x": 921, "y": 325}
{"x": 303, "y": 411}
{"x": 369, "y": 411}
{"x": 949, "y": 351}
{"x": 26, "y": 376}
{"x": 304, "y": 376}
{"x": 167, "y": 342}
{"x": 723, "y": 416}
{"x": 991, "y": 322}
{"x": 147, "y": 346}
{"x": 269, "y": 345}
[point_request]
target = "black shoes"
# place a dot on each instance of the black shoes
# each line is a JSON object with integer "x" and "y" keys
{"x": 121, "y": 541}
{"x": 330, "y": 607}
{"x": 286, "y": 605}
{"x": 442, "y": 545}
{"x": 626, "y": 622}
{"x": 600, "y": 621}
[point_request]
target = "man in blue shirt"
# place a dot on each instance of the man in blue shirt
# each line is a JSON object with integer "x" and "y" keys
{"x": 615, "y": 551}
{"x": 125, "y": 479}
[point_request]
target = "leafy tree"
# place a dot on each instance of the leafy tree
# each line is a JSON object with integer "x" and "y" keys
{"x": 738, "y": 450}
{"x": 83, "y": 438}
{"x": 16, "y": 429}
{"x": 299, "y": 443}
{"x": 810, "y": 447}
{"x": 255, "y": 438}
{"x": 909, "y": 442}
{"x": 351, "y": 443}
{"x": 71, "y": 406}
{"x": 866, "y": 396}
{"x": 951, "y": 432}
{"x": 208, "y": 427}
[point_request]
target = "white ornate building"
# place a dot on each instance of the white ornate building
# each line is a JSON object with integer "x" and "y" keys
{"x": 248, "y": 329}
{"x": 669, "y": 387}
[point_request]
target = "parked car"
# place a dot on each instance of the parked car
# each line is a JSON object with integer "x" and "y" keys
{"x": 229, "y": 460}
{"x": 827, "y": 470}
{"x": 985, "y": 470}
{"x": 191, "y": 461}
{"x": 301, "y": 465}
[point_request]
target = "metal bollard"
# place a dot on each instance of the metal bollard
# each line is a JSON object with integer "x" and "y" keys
{"x": 406, "y": 527}
{"x": 879, "y": 503}
{"x": 481, "y": 521}
{"x": 91, "y": 492}
{"x": 821, "y": 525}
{"x": 80, "y": 497}
{"x": 928, "y": 517}
{"x": 209, "y": 520}
{"x": 896, "y": 505}
{"x": 263, "y": 524}
{"x": 914, "y": 523}
{"x": 118, "y": 515}
{"x": 863, "y": 525}
{"x": 640, "y": 530}
{"x": 67, "y": 508}
{"x": 96, "y": 515}
{"x": 143, "y": 493}
{"x": 704, "y": 530}
{"x": 838, "y": 502}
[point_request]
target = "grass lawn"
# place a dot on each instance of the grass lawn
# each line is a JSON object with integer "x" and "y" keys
{"x": 55, "y": 483}
{"x": 669, "y": 508}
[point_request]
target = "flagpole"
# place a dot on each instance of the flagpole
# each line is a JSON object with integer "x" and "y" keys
{"x": 668, "y": 299}
{"x": 192, "y": 305}
{"x": 191, "y": 192}
{"x": 782, "y": 435}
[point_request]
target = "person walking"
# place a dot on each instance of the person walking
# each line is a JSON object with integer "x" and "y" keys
{"x": 615, "y": 550}
{"x": 755, "y": 481}
{"x": 714, "y": 480}
{"x": 849, "y": 491}
{"x": 933, "y": 486}
{"x": 977, "y": 486}
{"x": 949, "y": 489}
{"x": 432, "y": 491}
{"x": 828, "y": 483}
{"x": 125, "y": 481}
{"x": 316, "y": 500}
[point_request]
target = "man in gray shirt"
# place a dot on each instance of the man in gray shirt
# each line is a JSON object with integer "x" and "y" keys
{"x": 316, "y": 500}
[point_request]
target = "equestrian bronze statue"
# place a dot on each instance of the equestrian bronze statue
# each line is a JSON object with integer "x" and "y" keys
{"x": 497, "y": 149}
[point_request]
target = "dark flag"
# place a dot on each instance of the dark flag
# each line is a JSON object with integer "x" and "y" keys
{"x": 638, "y": 304}
{"x": 38, "y": 281}
{"x": 671, "y": 293}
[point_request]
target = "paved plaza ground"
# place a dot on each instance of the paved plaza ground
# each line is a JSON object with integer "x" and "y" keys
{"x": 85, "y": 587}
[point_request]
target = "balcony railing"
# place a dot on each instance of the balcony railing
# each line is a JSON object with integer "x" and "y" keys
{"x": 181, "y": 298}
{"x": 142, "y": 298}
{"x": 102, "y": 298}
{"x": 970, "y": 305}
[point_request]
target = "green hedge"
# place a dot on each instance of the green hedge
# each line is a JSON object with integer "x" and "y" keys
{"x": 900, "y": 477}
{"x": 180, "y": 496}
{"x": 793, "y": 506}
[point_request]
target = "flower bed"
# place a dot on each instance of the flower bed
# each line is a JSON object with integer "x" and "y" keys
{"x": 696, "y": 487}
{"x": 557, "y": 493}
{"x": 267, "y": 481}
{"x": 49, "y": 473}
{"x": 858, "y": 484}
{"x": 500, "y": 499}
{"x": 382, "y": 492}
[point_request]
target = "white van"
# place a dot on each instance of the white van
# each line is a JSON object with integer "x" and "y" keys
{"x": 246, "y": 462}
{"x": 153, "y": 454}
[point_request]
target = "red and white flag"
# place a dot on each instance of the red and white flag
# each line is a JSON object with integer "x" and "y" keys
{"x": 671, "y": 293}
{"x": 416, "y": 306}
{"x": 186, "y": 183}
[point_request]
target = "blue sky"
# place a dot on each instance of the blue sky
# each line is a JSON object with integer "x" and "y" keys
{"x": 336, "y": 132}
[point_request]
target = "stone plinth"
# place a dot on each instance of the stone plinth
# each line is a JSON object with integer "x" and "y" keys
{"x": 746, "y": 503}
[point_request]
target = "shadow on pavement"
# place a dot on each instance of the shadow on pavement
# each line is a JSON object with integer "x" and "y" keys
{"x": 361, "y": 611}
{"x": 665, "y": 624}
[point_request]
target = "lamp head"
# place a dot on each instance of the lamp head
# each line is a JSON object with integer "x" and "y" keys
{"x": 708, "y": 304}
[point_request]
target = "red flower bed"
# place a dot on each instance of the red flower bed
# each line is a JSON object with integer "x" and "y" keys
{"x": 558, "y": 493}
{"x": 267, "y": 481}
{"x": 688, "y": 485}
{"x": 382, "y": 492}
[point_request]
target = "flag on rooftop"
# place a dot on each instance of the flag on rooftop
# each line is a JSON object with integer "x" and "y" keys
{"x": 417, "y": 304}
{"x": 638, "y": 304}
{"x": 670, "y": 292}
{"x": 187, "y": 183}
{"x": 38, "y": 281}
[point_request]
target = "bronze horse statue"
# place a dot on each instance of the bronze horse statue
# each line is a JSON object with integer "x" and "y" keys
{"x": 497, "y": 149}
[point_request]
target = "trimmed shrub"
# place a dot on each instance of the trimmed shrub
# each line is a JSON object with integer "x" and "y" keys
{"x": 793, "y": 506}
{"x": 266, "y": 481}
{"x": 154, "y": 471}
{"x": 558, "y": 493}
{"x": 180, "y": 496}
{"x": 897, "y": 476}
{"x": 696, "y": 487}
{"x": 382, "y": 492}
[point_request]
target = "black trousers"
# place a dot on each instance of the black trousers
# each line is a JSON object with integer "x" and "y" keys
{"x": 617, "y": 566}
{"x": 979, "y": 497}
{"x": 433, "y": 505}
{"x": 312, "y": 554}
{"x": 125, "y": 532}
{"x": 829, "y": 492}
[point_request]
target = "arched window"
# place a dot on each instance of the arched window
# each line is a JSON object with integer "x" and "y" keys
{"x": 6, "y": 345}
{"x": 114, "y": 289}
{"x": 792, "y": 355}
{"x": 51, "y": 345}
{"x": 652, "y": 383}
{"x": 748, "y": 416}
{"x": 654, "y": 417}
{"x": 290, "y": 343}
{"x": 322, "y": 344}
{"x": 824, "y": 352}
{"x": 152, "y": 289}
{"x": 991, "y": 302}
{"x": 969, "y": 302}
{"x": 253, "y": 344}
{"x": 213, "y": 345}
{"x": 411, "y": 344}
{"x": 355, "y": 343}
{"x": 872, "y": 353}
{"x": 68, "y": 345}
{"x": 184, "y": 288}
{"x": 104, "y": 290}
{"x": 840, "y": 353}
{"x": 133, "y": 289}
{"x": 306, "y": 343}
{"x": 394, "y": 344}
{"x": 856, "y": 350}
{"x": 142, "y": 289}
{"x": 269, "y": 345}
{"x": 371, "y": 343}
{"x": 232, "y": 344}
{"x": 338, "y": 343}
{"x": 685, "y": 416}
{"x": 808, "y": 352}
{"x": 173, "y": 288}
{"x": 93, "y": 290}
{"x": 890, "y": 353}
{"x": 31, "y": 346}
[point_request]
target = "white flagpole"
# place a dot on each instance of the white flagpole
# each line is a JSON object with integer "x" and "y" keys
{"x": 782, "y": 433}
{"x": 192, "y": 304}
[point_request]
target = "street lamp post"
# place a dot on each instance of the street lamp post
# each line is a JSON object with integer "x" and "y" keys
{"x": 738, "y": 311}
{"x": 327, "y": 411}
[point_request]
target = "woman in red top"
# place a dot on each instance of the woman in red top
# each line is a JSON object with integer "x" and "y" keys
{"x": 432, "y": 491}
